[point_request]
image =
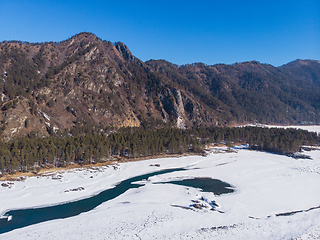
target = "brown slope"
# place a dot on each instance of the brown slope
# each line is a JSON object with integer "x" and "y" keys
{"x": 87, "y": 80}
{"x": 254, "y": 91}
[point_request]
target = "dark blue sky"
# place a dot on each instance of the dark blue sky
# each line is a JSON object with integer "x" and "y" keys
{"x": 274, "y": 32}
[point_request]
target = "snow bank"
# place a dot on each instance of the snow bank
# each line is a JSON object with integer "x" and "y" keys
{"x": 266, "y": 185}
{"x": 310, "y": 128}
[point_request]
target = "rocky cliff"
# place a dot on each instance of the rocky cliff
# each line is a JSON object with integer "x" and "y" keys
{"x": 86, "y": 80}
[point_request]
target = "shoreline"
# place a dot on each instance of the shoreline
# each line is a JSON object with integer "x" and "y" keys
{"x": 20, "y": 176}
{"x": 280, "y": 185}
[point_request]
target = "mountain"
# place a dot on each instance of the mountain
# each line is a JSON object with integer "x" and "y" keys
{"x": 253, "y": 91}
{"x": 86, "y": 80}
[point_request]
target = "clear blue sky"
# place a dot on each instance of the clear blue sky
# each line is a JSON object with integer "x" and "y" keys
{"x": 274, "y": 32}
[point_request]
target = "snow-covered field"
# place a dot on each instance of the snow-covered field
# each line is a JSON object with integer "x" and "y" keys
{"x": 266, "y": 185}
{"x": 311, "y": 128}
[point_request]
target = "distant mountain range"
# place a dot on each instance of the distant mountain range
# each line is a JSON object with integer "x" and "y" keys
{"x": 84, "y": 79}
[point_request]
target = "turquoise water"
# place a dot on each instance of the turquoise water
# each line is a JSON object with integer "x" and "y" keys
{"x": 215, "y": 186}
{"x": 25, "y": 217}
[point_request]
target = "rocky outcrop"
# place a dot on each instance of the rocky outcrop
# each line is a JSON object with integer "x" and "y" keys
{"x": 124, "y": 51}
{"x": 87, "y": 80}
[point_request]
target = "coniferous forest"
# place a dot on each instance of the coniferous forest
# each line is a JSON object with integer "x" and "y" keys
{"x": 87, "y": 100}
{"x": 92, "y": 144}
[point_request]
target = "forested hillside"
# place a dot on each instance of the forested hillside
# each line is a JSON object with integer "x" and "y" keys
{"x": 88, "y": 80}
{"x": 86, "y": 100}
{"x": 253, "y": 91}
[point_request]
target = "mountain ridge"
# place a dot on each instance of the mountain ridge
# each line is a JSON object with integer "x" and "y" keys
{"x": 87, "y": 80}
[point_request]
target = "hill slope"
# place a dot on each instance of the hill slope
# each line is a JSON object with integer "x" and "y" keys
{"x": 255, "y": 91}
{"x": 88, "y": 80}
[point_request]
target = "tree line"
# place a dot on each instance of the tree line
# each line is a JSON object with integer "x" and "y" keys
{"x": 91, "y": 144}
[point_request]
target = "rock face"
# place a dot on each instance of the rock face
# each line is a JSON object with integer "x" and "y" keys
{"x": 124, "y": 51}
{"x": 251, "y": 91}
{"x": 85, "y": 79}
{"x": 50, "y": 86}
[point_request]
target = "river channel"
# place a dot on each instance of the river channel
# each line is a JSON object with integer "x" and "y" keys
{"x": 24, "y": 217}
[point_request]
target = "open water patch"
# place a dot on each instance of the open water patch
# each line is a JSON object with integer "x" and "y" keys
{"x": 216, "y": 186}
{"x": 15, "y": 219}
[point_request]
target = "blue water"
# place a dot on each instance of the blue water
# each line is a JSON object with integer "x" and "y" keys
{"x": 25, "y": 217}
{"x": 215, "y": 186}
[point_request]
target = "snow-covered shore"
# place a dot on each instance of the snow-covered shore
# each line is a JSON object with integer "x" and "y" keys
{"x": 266, "y": 184}
{"x": 310, "y": 128}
